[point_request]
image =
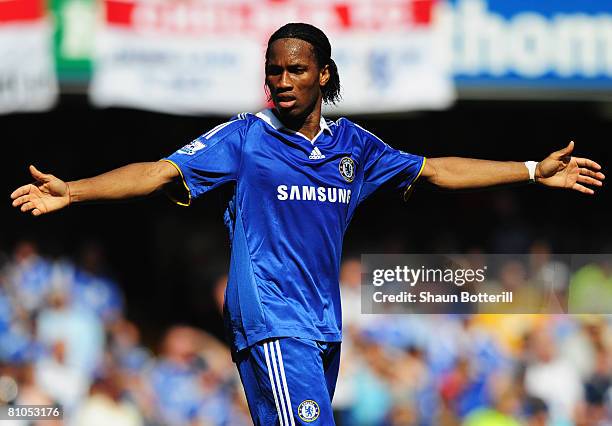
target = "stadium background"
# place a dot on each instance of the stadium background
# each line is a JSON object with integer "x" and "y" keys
{"x": 168, "y": 261}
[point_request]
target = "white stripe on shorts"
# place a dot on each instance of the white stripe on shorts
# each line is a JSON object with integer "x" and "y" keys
{"x": 278, "y": 383}
{"x": 280, "y": 418}
{"x": 282, "y": 370}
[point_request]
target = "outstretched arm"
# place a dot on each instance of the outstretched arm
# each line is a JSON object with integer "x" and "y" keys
{"x": 558, "y": 170}
{"x": 49, "y": 193}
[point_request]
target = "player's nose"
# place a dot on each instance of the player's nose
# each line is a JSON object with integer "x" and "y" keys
{"x": 284, "y": 82}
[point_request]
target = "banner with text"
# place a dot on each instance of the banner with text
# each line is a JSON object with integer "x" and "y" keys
{"x": 562, "y": 45}
{"x": 73, "y": 39}
{"x": 201, "y": 56}
{"x": 27, "y": 76}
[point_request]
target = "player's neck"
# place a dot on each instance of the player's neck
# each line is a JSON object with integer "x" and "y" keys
{"x": 308, "y": 125}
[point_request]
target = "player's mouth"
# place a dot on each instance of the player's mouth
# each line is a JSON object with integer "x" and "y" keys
{"x": 285, "y": 101}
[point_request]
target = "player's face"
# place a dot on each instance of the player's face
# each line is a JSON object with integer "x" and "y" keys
{"x": 294, "y": 78}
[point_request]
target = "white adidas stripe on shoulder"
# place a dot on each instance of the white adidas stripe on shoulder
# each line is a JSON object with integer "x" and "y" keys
{"x": 367, "y": 131}
{"x": 371, "y": 134}
{"x": 214, "y": 130}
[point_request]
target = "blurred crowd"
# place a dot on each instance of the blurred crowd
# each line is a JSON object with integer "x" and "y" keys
{"x": 481, "y": 369}
{"x": 65, "y": 341}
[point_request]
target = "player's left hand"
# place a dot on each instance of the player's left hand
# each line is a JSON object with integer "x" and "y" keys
{"x": 561, "y": 170}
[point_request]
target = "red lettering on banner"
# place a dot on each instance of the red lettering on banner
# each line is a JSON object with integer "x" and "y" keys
{"x": 422, "y": 11}
{"x": 21, "y": 10}
{"x": 343, "y": 13}
{"x": 256, "y": 19}
{"x": 119, "y": 12}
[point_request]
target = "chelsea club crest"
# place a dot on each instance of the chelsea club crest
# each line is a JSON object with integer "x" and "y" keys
{"x": 308, "y": 410}
{"x": 347, "y": 169}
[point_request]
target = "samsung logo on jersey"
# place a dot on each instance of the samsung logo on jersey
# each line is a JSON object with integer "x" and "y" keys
{"x": 313, "y": 193}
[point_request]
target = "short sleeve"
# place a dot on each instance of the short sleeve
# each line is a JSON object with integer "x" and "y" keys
{"x": 387, "y": 167}
{"x": 208, "y": 161}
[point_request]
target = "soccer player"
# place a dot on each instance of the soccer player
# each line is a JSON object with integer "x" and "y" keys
{"x": 298, "y": 179}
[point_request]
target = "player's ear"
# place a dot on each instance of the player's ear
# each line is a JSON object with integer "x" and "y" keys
{"x": 267, "y": 91}
{"x": 324, "y": 75}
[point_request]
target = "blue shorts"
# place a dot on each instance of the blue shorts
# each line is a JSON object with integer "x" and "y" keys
{"x": 290, "y": 381}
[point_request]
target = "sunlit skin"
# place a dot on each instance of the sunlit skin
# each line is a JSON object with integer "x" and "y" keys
{"x": 559, "y": 170}
{"x": 297, "y": 82}
{"x": 294, "y": 80}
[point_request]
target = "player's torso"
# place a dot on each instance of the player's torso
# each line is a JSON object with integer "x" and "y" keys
{"x": 299, "y": 197}
{"x": 299, "y": 182}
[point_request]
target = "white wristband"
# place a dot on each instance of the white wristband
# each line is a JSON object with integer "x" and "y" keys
{"x": 531, "y": 166}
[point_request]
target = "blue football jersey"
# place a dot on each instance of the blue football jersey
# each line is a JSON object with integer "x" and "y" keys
{"x": 292, "y": 203}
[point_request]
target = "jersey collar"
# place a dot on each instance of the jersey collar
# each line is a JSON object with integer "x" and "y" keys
{"x": 268, "y": 116}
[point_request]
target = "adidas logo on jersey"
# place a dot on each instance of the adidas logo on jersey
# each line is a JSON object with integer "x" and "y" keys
{"x": 316, "y": 154}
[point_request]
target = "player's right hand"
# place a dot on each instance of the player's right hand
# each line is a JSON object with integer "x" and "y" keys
{"x": 46, "y": 195}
